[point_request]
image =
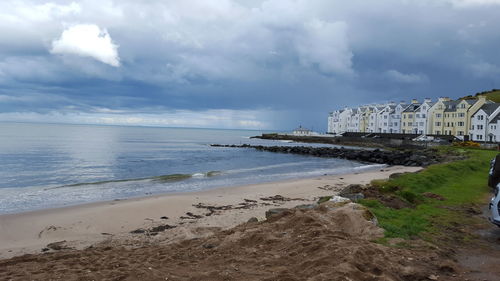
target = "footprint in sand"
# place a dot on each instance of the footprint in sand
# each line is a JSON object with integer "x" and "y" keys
{"x": 47, "y": 230}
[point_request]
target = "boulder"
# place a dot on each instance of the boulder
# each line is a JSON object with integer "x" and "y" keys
{"x": 275, "y": 211}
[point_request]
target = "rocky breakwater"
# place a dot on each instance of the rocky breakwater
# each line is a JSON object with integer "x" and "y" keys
{"x": 422, "y": 157}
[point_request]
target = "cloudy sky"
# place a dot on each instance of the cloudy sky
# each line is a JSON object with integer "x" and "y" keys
{"x": 270, "y": 64}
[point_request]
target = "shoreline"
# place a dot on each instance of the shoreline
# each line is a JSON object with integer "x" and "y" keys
{"x": 83, "y": 225}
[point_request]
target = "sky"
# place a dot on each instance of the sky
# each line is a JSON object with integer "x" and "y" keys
{"x": 244, "y": 64}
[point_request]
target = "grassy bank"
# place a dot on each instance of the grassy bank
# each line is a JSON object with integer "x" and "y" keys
{"x": 442, "y": 198}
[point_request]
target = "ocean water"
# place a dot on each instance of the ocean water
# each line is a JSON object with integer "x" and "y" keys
{"x": 53, "y": 165}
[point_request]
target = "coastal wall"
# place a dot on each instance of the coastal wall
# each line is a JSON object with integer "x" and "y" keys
{"x": 414, "y": 157}
{"x": 352, "y": 141}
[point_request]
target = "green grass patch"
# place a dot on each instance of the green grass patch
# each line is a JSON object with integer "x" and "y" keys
{"x": 462, "y": 183}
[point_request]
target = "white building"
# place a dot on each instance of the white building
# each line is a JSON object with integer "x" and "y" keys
{"x": 484, "y": 123}
{"x": 395, "y": 122}
{"x": 421, "y": 115}
{"x": 333, "y": 119}
{"x": 373, "y": 119}
{"x": 354, "y": 120}
{"x": 383, "y": 118}
{"x": 338, "y": 121}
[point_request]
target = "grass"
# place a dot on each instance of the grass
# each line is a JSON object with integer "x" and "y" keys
{"x": 493, "y": 95}
{"x": 462, "y": 183}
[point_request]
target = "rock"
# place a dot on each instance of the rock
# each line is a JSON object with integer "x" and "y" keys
{"x": 408, "y": 158}
{"x": 306, "y": 206}
{"x": 208, "y": 246}
{"x": 335, "y": 202}
{"x": 339, "y": 199}
{"x": 161, "y": 228}
{"x": 56, "y": 246}
{"x": 324, "y": 199}
{"x": 354, "y": 197}
{"x": 275, "y": 211}
{"x": 396, "y": 175}
{"x": 138, "y": 231}
{"x": 352, "y": 188}
{"x": 432, "y": 277}
{"x": 253, "y": 219}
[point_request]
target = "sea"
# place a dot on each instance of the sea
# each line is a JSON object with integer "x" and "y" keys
{"x": 55, "y": 165}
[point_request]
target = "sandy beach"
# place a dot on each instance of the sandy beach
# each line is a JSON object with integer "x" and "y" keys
{"x": 191, "y": 215}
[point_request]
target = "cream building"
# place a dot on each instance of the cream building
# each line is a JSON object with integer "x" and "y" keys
{"x": 457, "y": 116}
{"x": 435, "y": 116}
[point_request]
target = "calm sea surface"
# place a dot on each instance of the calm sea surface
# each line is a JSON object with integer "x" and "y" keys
{"x": 47, "y": 165}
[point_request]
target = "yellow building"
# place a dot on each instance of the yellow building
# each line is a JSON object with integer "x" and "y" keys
{"x": 363, "y": 118}
{"x": 436, "y": 117}
{"x": 457, "y": 116}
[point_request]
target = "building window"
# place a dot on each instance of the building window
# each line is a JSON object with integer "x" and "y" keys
{"x": 461, "y": 124}
{"x": 410, "y": 124}
{"x": 404, "y": 124}
{"x": 460, "y": 133}
{"x": 410, "y": 115}
{"x": 438, "y": 115}
{"x": 438, "y": 123}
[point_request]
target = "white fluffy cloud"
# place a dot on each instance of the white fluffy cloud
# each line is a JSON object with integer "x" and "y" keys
{"x": 87, "y": 40}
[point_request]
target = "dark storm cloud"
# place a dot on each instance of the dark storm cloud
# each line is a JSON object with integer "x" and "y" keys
{"x": 253, "y": 64}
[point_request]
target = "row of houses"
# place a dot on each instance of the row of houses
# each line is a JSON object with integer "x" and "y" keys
{"x": 467, "y": 119}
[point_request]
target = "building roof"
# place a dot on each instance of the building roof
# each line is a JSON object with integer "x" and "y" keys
{"x": 412, "y": 107}
{"x": 302, "y": 129}
{"x": 488, "y": 108}
{"x": 430, "y": 104}
{"x": 472, "y": 101}
{"x": 495, "y": 120}
{"x": 451, "y": 105}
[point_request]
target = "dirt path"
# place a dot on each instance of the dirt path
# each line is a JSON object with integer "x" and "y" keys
{"x": 481, "y": 259}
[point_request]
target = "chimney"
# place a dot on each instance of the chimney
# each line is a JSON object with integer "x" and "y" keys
{"x": 444, "y": 99}
{"x": 481, "y": 97}
{"x": 427, "y": 100}
{"x": 414, "y": 101}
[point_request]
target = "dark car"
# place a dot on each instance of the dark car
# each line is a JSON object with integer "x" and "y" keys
{"x": 493, "y": 181}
